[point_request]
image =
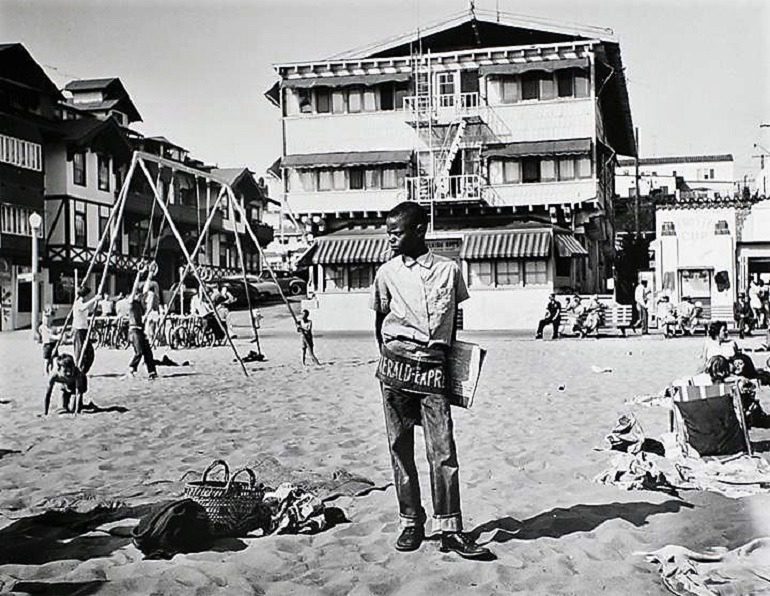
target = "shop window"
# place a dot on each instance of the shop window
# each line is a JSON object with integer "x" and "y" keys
{"x": 536, "y": 272}
{"x": 480, "y": 274}
{"x": 355, "y": 100}
{"x": 103, "y": 162}
{"x": 508, "y": 272}
{"x": 356, "y": 179}
{"x": 530, "y": 86}
{"x": 334, "y": 278}
{"x": 511, "y": 171}
{"x": 324, "y": 180}
{"x": 360, "y": 277}
{"x": 566, "y": 168}
{"x": 373, "y": 179}
{"x": 530, "y": 169}
{"x": 563, "y": 266}
{"x": 547, "y": 86}
{"x": 79, "y": 168}
{"x": 581, "y": 84}
{"x": 80, "y": 224}
{"x": 323, "y": 102}
{"x": 338, "y": 102}
{"x": 338, "y": 180}
{"x": 565, "y": 83}
{"x": 386, "y": 97}
{"x": 307, "y": 180}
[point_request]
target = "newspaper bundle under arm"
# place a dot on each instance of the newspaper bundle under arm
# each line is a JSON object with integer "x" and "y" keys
{"x": 464, "y": 368}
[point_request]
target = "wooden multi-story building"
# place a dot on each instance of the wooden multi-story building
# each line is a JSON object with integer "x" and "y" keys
{"x": 507, "y": 131}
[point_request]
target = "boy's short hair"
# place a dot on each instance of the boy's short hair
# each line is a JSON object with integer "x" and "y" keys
{"x": 305, "y": 312}
{"x": 410, "y": 212}
{"x": 718, "y": 367}
{"x": 84, "y": 291}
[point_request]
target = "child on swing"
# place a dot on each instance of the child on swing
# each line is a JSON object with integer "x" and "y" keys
{"x": 73, "y": 381}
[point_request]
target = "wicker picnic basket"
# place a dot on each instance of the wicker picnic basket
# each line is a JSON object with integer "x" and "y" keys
{"x": 231, "y": 505}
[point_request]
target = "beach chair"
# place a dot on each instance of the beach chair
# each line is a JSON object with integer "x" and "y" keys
{"x": 709, "y": 419}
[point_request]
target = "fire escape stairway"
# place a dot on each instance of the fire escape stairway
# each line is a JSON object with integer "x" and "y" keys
{"x": 447, "y": 155}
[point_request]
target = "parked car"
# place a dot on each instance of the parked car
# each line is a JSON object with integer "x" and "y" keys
{"x": 291, "y": 284}
{"x": 237, "y": 289}
{"x": 263, "y": 289}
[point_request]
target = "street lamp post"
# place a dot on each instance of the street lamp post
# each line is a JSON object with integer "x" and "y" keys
{"x": 34, "y": 223}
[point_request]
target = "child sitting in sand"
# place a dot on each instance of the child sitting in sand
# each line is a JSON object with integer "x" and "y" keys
{"x": 73, "y": 381}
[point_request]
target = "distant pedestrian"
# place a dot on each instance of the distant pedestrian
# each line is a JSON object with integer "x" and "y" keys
{"x": 552, "y": 317}
{"x": 744, "y": 315}
{"x": 305, "y": 327}
{"x": 642, "y": 301}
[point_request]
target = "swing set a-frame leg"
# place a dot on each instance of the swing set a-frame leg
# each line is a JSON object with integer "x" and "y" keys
{"x": 239, "y": 247}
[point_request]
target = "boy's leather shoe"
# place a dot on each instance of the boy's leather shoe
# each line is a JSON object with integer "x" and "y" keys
{"x": 410, "y": 539}
{"x": 463, "y": 546}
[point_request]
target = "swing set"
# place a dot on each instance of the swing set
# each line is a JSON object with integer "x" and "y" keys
{"x": 104, "y": 254}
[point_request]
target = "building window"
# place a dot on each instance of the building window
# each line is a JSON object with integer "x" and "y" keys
{"x": 323, "y": 102}
{"x": 338, "y": 102}
{"x": 509, "y": 89}
{"x": 334, "y": 278}
{"x": 305, "y": 101}
{"x": 104, "y": 217}
{"x": 324, "y": 180}
{"x": 338, "y": 180}
{"x": 307, "y": 180}
{"x": 508, "y": 272}
{"x": 565, "y": 83}
{"x": 387, "y": 98}
{"x": 547, "y": 170}
{"x": 373, "y": 179}
{"x": 547, "y": 86}
{"x": 566, "y": 168}
{"x": 79, "y": 220}
{"x": 530, "y": 169}
{"x": 79, "y": 168}
{"x": 356, "y": 176}
{"x": 360, "y": 277}
{"x": 104, "y": 172}
{"x": 581, "y": 84}
{"x": 511, "y": 171}
{"x": 530, "y": 86}
{"x": 480, "y": 274}
{"x": 389, "y": 178}
{"x": 535, "y": 272}
{"x": 584, "y": 167}
{"x": 23, "y": 154}
{"x": 370, "y": 100}
{"x": 711, "y": 173}
{"x": 563, "y": 266}
{"x": 355, "y": 100}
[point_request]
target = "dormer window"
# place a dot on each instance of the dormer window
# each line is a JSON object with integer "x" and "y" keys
{"x": 119, "y": 116}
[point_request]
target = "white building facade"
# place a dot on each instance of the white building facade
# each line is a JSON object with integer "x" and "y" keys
{"x": 492, "y": 138}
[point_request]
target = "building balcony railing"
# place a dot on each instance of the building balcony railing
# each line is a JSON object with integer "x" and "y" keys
{"x": 424, "y": 189}
{"x": 14, "y": 219}
{"x": 459, "y": 103}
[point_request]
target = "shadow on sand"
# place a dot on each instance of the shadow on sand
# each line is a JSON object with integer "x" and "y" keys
{"x": 578, "y": 518}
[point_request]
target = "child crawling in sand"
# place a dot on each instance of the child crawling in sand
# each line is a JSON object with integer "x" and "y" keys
{"x": 73, "y": 381}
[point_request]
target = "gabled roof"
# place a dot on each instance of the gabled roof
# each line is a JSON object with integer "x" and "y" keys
{"x": 99, "y": 135}
{"x": 232, "y": 175}
{"x": 18, "y": 66}
{"x": 486, "y": 29}
{"x": 164, "y": 141}
{"x": 111, "y": 88}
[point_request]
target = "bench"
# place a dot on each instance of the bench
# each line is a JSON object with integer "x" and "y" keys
{"x": 616, "y": 317}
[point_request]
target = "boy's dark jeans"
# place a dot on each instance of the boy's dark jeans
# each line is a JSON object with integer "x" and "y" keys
{"x": 403, "y": 410}
{"x": 141, "y": 350}
{"x": 555, "y": 322}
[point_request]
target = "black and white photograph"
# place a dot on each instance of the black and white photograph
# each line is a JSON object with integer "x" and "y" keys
{"x": 384, "y": 298}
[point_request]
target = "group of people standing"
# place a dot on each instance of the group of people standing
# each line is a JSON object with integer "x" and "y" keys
{"x": 752, "y": 309}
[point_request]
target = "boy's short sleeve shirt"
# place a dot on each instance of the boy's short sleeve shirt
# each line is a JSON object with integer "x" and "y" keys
{"x": 419, "y": 298}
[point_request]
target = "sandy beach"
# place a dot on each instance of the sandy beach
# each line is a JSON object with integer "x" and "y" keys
{"x": 526, "y": 451}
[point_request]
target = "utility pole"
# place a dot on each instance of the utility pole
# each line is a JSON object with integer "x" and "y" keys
{"x": 636, "y": 181}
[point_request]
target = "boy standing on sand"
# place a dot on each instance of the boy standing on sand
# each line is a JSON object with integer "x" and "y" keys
{"x": 139, "y": 341}
{"x": 415, "y": 297}
{"x": 305, "y": 327}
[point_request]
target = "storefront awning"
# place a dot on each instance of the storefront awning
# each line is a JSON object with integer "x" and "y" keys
{"x": 568, "y": 246}
{"x": 347, "y": 81}
{"x": 345, "y": 251}
{"x": 507, "y": 244}
{"x": 560, "y": 147}
{"x": 358, "y": 158}
{"x": 544, "y": 66}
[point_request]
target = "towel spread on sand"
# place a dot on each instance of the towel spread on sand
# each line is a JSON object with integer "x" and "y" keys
{"x": 635, "y": 472}
{"x": 744, "y": 570}
{"x": 294, "y": 511}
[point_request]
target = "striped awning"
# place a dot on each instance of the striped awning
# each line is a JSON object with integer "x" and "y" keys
{"x": 548, "y": 148}
{"x": 348, "y": 159}
{"x": 352, "y": 250}
{"x": 347, "y": 80}
{"x": 542, "y": 65}
{"x": 568, "y": 246}
{"x": 507, "y": 244}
